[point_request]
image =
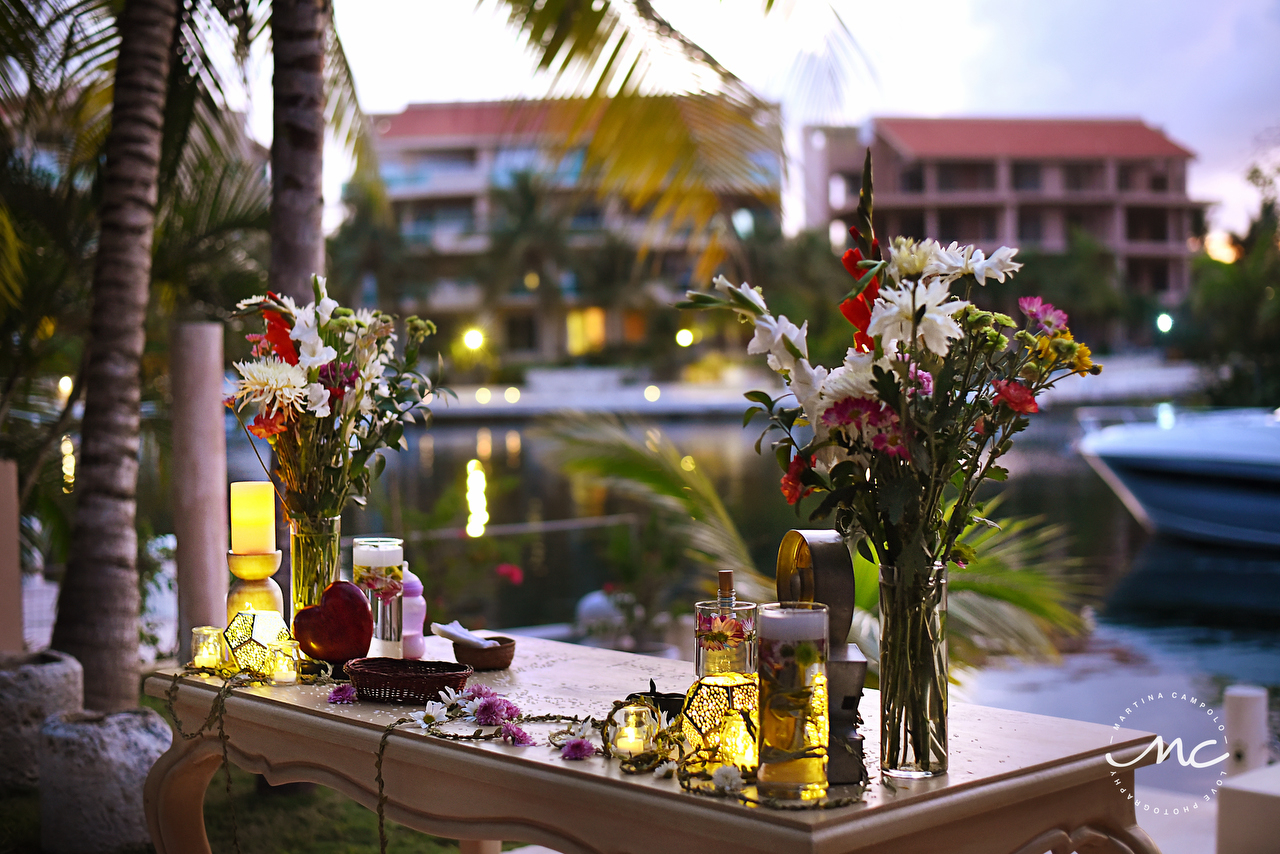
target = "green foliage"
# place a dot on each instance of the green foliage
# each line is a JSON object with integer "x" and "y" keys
{"x": 1232, "y": 318}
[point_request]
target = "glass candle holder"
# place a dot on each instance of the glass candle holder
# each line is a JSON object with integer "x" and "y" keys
{"x": 377, "y": 568}
{"x": 206, "y": 647}
{"x": 635, "y": 730}
{"x": 725, "y": 638}
{"x": 792, "y": 737}
{"x": 282, "y": 662}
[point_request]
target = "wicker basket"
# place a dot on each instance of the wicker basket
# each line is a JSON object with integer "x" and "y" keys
{"x": 394, "y": 680}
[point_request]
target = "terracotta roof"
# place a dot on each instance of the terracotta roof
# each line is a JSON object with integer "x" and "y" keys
{"x": 930, "y": 138}
{"x": 484, "y": 118}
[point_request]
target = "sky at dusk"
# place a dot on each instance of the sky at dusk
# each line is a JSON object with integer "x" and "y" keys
{"x": 1207, "y": 73}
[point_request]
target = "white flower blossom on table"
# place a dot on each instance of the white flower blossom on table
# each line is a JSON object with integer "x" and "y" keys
{"x": 665, "y": 770}
{"x": 893, "y": 315}
{"x": 585, "y": 729}
{"x": 450, "y": 697}
{"x": 727, "y": 778}
{"x": 434, "y": 713}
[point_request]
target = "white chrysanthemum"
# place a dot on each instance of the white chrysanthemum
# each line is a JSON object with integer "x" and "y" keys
{"x": 852, "y": 379}
{"x": 751, "y": 294}
{"x": 908, "y": 259}
{"x": 314, "y": 352}
{"x": 894, "y": 313}
{"x": 272, "y": 384}
{"x": 318, "y": 400}
{"x": 727, "y": 778}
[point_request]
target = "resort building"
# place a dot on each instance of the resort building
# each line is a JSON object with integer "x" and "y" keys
{"x": 1018, "y": 182}
{"x": 447, "y": 168}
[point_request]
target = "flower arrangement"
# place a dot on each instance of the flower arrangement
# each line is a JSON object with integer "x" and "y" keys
{"x": 902, "y": 434}
{"x": 329, "y": 391}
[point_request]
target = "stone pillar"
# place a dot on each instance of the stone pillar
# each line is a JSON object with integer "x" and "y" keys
{"x": 199, "y": 478}
{"x": 10, "y": 563}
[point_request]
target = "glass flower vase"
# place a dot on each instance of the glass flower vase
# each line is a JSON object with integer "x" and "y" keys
{"x": 913, "y": 672}
{"x": 314, "y": 556}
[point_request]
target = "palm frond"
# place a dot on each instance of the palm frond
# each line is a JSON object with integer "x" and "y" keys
{"x": 643, "y": 464}
{"x": 659, "y": 120}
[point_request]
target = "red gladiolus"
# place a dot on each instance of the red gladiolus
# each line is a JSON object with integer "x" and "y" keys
{"x": 1016, "y": 396}
{"x": 792, "y": 489}
{"x": 278, "y": 335}
{"x": 857, "y": 310}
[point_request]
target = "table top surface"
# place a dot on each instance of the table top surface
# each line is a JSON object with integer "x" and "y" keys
{"x": 987, "y": 746}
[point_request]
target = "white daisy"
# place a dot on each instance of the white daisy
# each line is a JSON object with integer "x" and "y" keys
{"x": 666, "y": 770}
{"x": 434, "y": 713}
{"x": 893, "y": 316}
{"x": 449, "y": 697}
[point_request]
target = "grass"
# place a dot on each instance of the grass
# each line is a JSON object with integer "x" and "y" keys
{"x": 320, "y": 821}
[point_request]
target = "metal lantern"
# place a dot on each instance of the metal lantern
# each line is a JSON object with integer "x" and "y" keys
{"x": 710, "y": 699}
{"x": 250, "y": 635}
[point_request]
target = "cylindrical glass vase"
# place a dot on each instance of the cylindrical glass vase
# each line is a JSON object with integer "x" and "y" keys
{"x": 913, "y": 672}
{"x": 725, "y": 638}
{"x": 377, "y": 568}
{"x": 314, "y": 558}
{"x": 792, "y": 736}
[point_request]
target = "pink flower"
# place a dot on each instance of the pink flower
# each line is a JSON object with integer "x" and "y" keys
{"x": 922, "y": 378}
{"x": 577, "y": 748}
{"x": 1051, "y": 320}
{"x": 891, "y": 443}
{"x": 852, "y": 410}
{"x": 515, "y": 735}
{"x": 343, "y": 695}
{"x": 476, "y": 692}
{"x": 494, "y": 711}
{"x": 510, "y": 572}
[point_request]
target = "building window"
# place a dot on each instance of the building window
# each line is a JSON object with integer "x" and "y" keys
{"x": 1030, "y": 226}
{"x": 522, "y": 333}
{"x": 1159, "y": 183}
{"x": 1148, "y": 275}
{"x": 1093, "y": 222}
{"x": 911, "y": 179}
{"x": 967, "y": 225}
{"x": 1081, "y": 177}
{"x": 1026, "y": 176}
{"x": 911, "y": 224}
{"x": 1126, "y": 176}
{"x": 584, "y": 330}
{"x": 953, "y": 177}
{"x": 1146, "y": 225}
{"x": 635, "y": 326}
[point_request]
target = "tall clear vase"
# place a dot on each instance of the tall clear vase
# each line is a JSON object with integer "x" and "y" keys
{"x": 913, "y": 672}
{"x": 315, "y": 557}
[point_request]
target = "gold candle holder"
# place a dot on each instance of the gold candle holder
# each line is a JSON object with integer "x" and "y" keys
{"x": 254, "y": 588}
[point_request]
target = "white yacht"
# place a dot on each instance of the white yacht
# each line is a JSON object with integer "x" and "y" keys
{"x": 1211, "y": 476}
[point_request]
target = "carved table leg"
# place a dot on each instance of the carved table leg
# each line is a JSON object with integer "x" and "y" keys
{"x": 174, "y": 796}
{"x": 479, "y": 846}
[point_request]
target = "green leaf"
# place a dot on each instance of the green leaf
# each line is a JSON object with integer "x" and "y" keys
{"x": 760, "y": 398}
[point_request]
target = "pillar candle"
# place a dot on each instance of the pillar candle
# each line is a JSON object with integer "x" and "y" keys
{"x": 253, "y": 518}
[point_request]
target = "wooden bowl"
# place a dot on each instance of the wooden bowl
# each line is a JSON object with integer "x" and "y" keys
{"x": 489, "y": 658}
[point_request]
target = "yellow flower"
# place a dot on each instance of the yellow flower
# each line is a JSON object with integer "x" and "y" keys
{"x": 1083, "y": 362}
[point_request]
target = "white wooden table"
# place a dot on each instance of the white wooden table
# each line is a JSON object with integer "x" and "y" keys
{"x": 1019, "y": 783}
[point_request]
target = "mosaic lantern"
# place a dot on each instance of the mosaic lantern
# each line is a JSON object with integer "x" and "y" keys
{"x": 711, "y": 699}
{"x": 249, "y": 637}
{"x": 738, "y": 740}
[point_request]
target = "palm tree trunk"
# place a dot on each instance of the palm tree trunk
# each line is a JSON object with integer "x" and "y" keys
{"x": 98, "y": 607}
{"x": 298, "y": 32}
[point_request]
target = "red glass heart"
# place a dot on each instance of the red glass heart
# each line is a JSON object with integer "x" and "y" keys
{"x": 338, "y": 629}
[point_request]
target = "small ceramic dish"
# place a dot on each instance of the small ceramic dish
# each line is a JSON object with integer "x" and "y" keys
{"x": 487, "y": 658}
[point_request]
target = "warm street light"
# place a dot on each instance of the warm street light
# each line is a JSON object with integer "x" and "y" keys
{"x": 473, "y": 339}
{"x": 652, "y": 393}
{"x": 684, "y": 337}
{"x": 65, "y": 385}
